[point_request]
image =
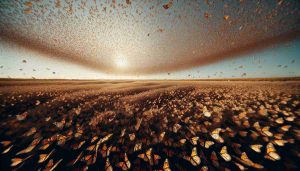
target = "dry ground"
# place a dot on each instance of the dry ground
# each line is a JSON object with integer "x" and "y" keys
{"x": 149, "y": 125}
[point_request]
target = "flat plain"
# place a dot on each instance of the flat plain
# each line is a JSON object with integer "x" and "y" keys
{"x": 149, "y": 125}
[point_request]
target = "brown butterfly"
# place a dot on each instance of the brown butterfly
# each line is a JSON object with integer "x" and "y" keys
{"x": 168, "y": 5}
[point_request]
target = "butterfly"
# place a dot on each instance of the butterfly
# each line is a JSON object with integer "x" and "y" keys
{"x": 182, "y": 141}
{"x": 30, "y": 147}
{"x": 91, "y": 147}
{"x": 241, "y": 167}
{"x": 47, "y": 119}
{"x": 7, "y": 150}
{"x": 246, "y": 124}
{"x": 17, "y": 161}
{"x": 138, "y": 124}
{"x": 77, "y": 146}
{"x": 123, "y": 132}
{"x": 285, "y": 128}
{"x": 194, "y": 159}
{"x": 5, "y": 143}
{"x": 61, "y": 140}
{"x": 278, "y": 136}
{"x": 168, "y": 5}
{"x": 149, "y": 157}
{"x": 265, "y": 131}
{"x": 215, "y": 135}
{"x": 166, "y": 166}
{"x": 94, "y": 139}
{"x": 256, "y": 147}
{"x": 45, "y": 145}
{"x": 88, "y": 159}
{"x": 108, "y": 166}
{"x": 271, "y": 153}
{"x": 246, "y": 161}
{"x": 176, "y": 127}
{"x": 137, "y": 147}
{"x": 279, "y": 120}
{"x": 51, "y": 166}
{"x": 30, "y": 132}
{"x": 257, "y": 126}
{"x": 161, "y": 136}
{"x": 131, "y": 136}
{"x": 280, "y": 142}
{"x": 224, "y": 154}
{"x": 104, "y": 139}
{"x": 76, "y": 160}
{"x": 44, "y": 157}
{"x": 105, "y": 151}
{"x": 125, "y": 165}
{"x": 290, "y": 118}
{"x": 194, "y": 140}
{"x": 204, "y": 168}
{"x": 206, "y": 144}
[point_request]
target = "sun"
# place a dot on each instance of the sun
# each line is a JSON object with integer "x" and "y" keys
{"x": 121, "y": 61}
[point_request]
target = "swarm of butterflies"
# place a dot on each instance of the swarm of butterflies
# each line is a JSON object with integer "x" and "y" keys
{"x": 182, "y": 129}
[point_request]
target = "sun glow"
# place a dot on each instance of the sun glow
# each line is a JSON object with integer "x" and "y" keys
{"x": 121, "y": 61}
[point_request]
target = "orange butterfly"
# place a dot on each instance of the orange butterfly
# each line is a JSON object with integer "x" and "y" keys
{"x": 224, "y": 154}
{"x": 194, "y": 159}
{"x": 149, "y": 157}
{"x": 125, "y": 165}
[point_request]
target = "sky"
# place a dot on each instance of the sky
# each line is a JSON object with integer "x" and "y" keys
{"x": 277, "y": 61}
{"x": 149, "y": 39}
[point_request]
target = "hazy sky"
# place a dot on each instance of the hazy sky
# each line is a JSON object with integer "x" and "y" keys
{"x": 278, "y": 61}
{"x": 148, "y": 38}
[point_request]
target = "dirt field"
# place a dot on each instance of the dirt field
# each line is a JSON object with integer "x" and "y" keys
{"x": 149, "y": 125}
